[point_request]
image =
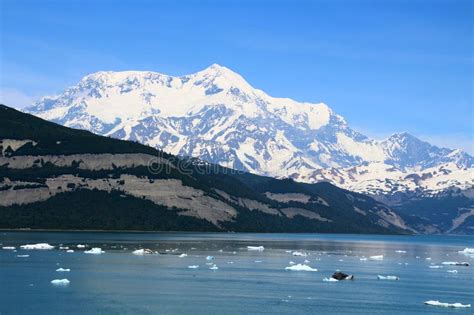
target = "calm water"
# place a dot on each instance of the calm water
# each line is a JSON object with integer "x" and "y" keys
{"x": 118, "y": 282}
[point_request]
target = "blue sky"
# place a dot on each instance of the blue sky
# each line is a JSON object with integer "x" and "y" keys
{"x": 386, "y": 66}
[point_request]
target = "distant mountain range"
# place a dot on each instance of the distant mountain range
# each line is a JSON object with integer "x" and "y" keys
{"x": 216, "y": 116}
{"x": 54, "y": 177}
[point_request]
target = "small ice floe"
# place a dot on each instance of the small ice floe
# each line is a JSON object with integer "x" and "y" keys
{"x": 341, "y": 260}
{"x": 256, "y": 248}
{"x": 401, "y": 251}
{"x": 193, "y": 267}
{"x": 213, "y": 267}
{"x": 22, "y": 256}
{"x": 60, "y": 281}
{"x": 230, "y": 262}
{"x": 387, "y": 277}
{"x": 209, "y": 257}
{"x": 258, "y": 261}
{"x": 94, "y": 251}
{"x": 80, "y": 246}
{"x": 306, "y": 261}
{"x": 330, "y": 280}
{"x": 442, "y": 304}
{"x": 63, "y": 270}
{"x": 363, "y": 259}
{"x": 70, "y": 251}
{"x": 292, "y": 263}
{"x": 455, "y": 263}
{"x": 428, "y": 258}
{"x": 300, "y": 267}
{"x": 453, "y": 271}
{"x": 9, "y": 247}
{"x": 436, "y": 267}
{"x": 376, "y": 257}
{"x": 63, "y": 247}
{"x": 183, "y": 255}
{"x": 300, "y": 254}
{"x": 143, "y": 251}
{"x": 43, "y": 246}
{"x": 467, "y": 251}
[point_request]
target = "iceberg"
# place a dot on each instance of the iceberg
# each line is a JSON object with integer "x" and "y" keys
{"x": 70, "y": 251}
{"x": 453, "y": 271}
{"x": 9, "y": 247}
{"x": 183, "y": 255}
{"x": 80, "y": 246}
{"x": 363, "y": 259}
{"x": 300, "y": 267}
{"x": 330, "y": 280}
{"x": 376, "y": 257}
{"x": 387, "y": 277}
{"x": 94, "y": 251}
{"x": 467, "y": 251}
{"x": 209, "y": 257}
{"x": 300, "y": 254}
{"x": 436, "y": 267}
{"x": 44, "y": 246}
{"x": 22, "y": 256}
{"x": 256, "y": 248}
{"x": 442, "y": 304}
{"x": 60, "y": 281}
{"x": 214, "y": 267}
{"x": 63, "y": 270}
{"x": 143, "y": 251}
{"x": 455, "y": 263}
{"x": 193, "y": 267}
{"x": 401, "y": 251}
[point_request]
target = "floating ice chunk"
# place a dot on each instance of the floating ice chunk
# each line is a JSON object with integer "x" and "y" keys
{"x": 300, "y": 267}
{"x": 70, "y": 251}
{"x": 214, "y": 267}
{"x": 363, "y": 259}
{"x": 143, "y": 251}
{"x": 330, "y": 280}
{"x": 209, "y": 257}
{"x": 44, "y": 246}
{"x": 63, "y": 247}
{"x": 256, "y": 248}
{"x": 300, "y": 254}
{"x": 183, "y": 255}
{"x": 306, "y": 261}
{"x": 94, "y": 251}
{"x": 9, "y": 247}
{"x": 376, "y": 257}
{"x": 436, "y": 267}
{"x": 292, "y": 263}
{"x": 80, "y": 246}
{"x": 193, "y": 267}
{"x": 258, "y": 261}
{"x": 442, "y": 304}
{"x": 401, "y": 251}
{"x": 63, "y": 270}
{"x": 387, "y": 277}
{"x": 455, "y": 263}
{"x": 22, "y": 256}
{"x": 467, "y": 251}
{"x": 453, "y": 271}
{"x": 428, "y": 258}
{"x": 230, "y": 262}
{"x": 60, "y": 281}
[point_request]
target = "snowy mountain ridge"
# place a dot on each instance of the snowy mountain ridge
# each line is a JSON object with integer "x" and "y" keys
{"x": 217, "y": 116}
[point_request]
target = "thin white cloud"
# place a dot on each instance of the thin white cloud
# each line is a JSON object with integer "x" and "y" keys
{"x": 15, "y": 98}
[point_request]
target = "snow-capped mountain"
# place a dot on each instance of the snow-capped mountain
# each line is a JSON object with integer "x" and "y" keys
{"x": 217, "y": 116}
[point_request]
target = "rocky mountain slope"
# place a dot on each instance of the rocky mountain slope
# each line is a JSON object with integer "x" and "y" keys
{"x": 215, "y": 115}
{"x": 60, "y": 178}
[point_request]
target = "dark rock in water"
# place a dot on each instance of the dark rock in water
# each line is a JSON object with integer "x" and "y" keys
{"x": 342, "y": 276}
{"x": 465, "y": 264}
